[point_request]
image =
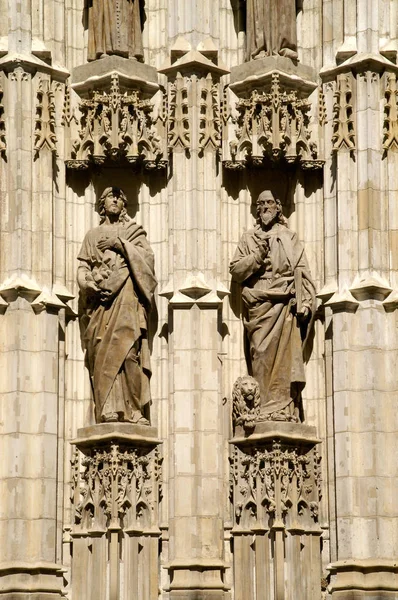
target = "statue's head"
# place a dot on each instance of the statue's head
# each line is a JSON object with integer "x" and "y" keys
{"x": 108, "y": 195}
{"x": 245, "y": 401}
{"x": 269, "y": 209}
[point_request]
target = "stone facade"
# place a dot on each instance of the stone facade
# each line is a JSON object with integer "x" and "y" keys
{"x": 194, "y": 109}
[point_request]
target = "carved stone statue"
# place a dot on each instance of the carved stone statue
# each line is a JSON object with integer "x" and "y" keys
{"x": 246, "y": 402}
{"x": 114, "y": 27}
{"x": 271, "y": 28}
{"x": 279, "y": 299}
{"x": 117, "y": 281}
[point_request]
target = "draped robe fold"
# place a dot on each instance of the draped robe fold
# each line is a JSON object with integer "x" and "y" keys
{"x": 115, "y": 339}
{"x": 270, "y": 27}
{"x": 275, "y": 345}
{"x": 114, "y": 27}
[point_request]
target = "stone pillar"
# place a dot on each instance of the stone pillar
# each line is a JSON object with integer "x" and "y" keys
{"x": 196, "y": 461}
{"x": 33, "y": 315}
{"x": 359, "y": 317}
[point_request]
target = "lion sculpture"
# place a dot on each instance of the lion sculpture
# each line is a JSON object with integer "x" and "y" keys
{"x": 246, "y": 402}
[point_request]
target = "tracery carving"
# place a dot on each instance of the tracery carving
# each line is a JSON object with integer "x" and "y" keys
{"x": 273, "y": 125}
{"x": 390, "y": 130}
{"x": 45, "y": 136}
{"x": 275, "y": 482}
{"x": 179, "y": 125}
{"x": 116, "y": 126}
{"x": 116, "y": 486}
{"x": 210, "y": 122}
{"x": 343, "y": 114}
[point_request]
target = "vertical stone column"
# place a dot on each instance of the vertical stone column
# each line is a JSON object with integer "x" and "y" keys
{"x": 31, "y": 326}
{"x": 195, "y": 440}
{"x": 359, "y": 319}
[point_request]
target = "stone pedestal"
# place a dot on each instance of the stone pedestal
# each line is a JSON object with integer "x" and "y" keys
{"x": 116, "y": 491}
{"x": 275, "y": 489}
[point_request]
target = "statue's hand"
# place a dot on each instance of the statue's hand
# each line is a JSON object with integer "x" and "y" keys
{"x": 305, "y": 313}
{"x": 91, "y": 288}
{"x": 263, "y": 245}
{"x": 107, "y": 243}
{"x": 105, "y": 295}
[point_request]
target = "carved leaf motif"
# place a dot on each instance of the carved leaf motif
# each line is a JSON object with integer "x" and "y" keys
{"x": 209, "y": 115}
{"x": 45, "y": 136}
{"x": 116, "y": 126}
{"x": 179, "y": 125}
{"x": 273, "y": 125}
{"x": 343, "y": 119}
{"x": 114, "y": 483}
{"x": 390, "y": 130}
{"x": 279, "y": 478}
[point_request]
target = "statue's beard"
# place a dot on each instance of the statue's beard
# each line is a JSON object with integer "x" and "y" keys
{"x": 268, "y": 218}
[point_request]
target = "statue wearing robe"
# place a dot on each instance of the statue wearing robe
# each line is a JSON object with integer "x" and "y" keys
{"x": 114, "y": 27}
{"x": 117, "y": 281}
{"x": 279, "y": 299}
{"x": 271, "y": 28}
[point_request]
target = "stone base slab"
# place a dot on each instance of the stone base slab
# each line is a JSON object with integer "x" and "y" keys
{"x": 198, "y": 580}
{"x": 104, "y": 433}
{"x": 96, "y": 75}
{"x": 257, "y": 74}
{"x": 28, "y": 581}
{"x": 370, "y": 578}
{"x": 270, "y": 430}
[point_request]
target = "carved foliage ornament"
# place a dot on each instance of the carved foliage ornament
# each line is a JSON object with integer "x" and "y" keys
{"x": 115, "y": 126}
{"x": 343, "y": 120}
{"x": 209, "y": 136}
{"x": 179, "y": 126}
{"x": 279, "y": 482}
{"x": 390, "y": 130}
{"x": 273, "y": 125}
{"x": 116, "y": 488}
{"x": 45, "y": 136}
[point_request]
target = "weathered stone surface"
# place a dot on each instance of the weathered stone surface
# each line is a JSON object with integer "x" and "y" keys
{"x": 279, "y": 298}
{"x": 117, "y": 281}
{"x": 193, "y": 134}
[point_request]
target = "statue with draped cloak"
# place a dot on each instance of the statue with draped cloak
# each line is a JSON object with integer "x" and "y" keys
{"x": 117, "y": 281}
{"x": 271, "y": 28}
{"x": 279, "y": 301}
{"x": 114, "y": 27}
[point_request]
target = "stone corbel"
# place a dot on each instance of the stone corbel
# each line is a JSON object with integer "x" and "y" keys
{"x": 342, "y": 301}
{"x": 39, "y": 298}
{"x": 195, "y": 290}
{"x": 272, "y": 116}
{"x": 370, "y": 287}
{"x": 391, "y": 302}
{"x": 116, "y": 123}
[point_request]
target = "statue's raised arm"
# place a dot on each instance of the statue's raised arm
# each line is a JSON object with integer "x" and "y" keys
{"x": 279, "y": 300}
